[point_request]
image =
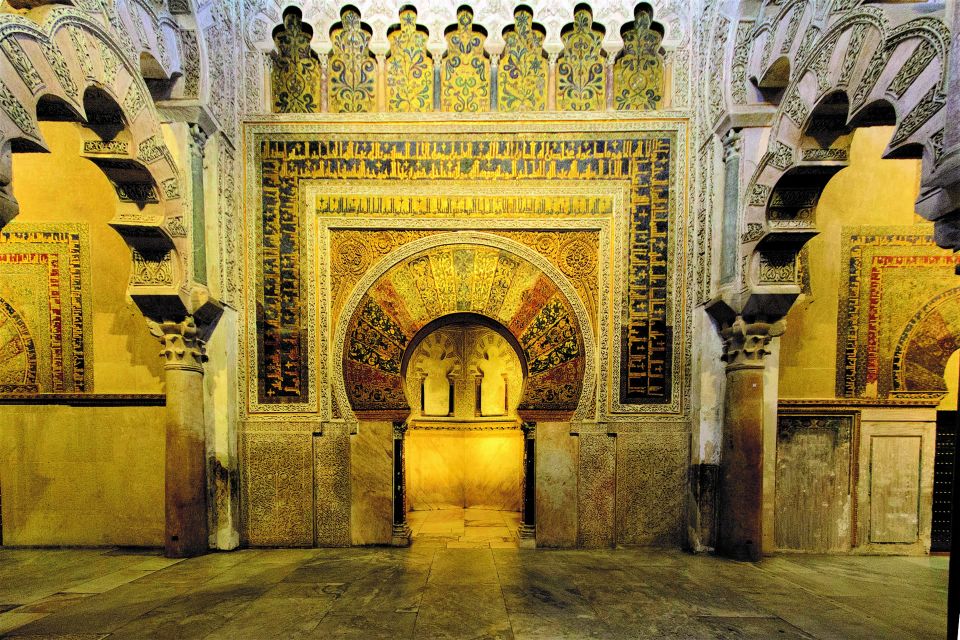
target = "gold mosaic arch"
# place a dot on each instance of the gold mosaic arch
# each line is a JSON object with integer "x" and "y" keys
{"x": 455, "y": 273}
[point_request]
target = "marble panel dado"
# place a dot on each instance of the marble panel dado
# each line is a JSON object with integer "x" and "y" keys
{"x": 651, "y": 488}
{"x": 557, "y": 466}
{"x": 371, "y": 483}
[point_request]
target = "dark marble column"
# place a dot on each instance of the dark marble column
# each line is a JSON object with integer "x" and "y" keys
{"x": 528, "y": 523}
{"x": 185, "y": 477}
{"x": 740, "y": 521}
{"x": 401, "y": 530}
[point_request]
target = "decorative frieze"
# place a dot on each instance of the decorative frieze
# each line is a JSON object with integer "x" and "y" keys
{"x": 926, "y": 107}
{"x": 759, "y": 195}
{"x": 152, "y": 268}
{"x": 106, "y": 147}
{"x": 777, "y": 267}
{"x": 21, "y": 64}
{"x": 825, "y": 155}
{"x": 918, "y": 61}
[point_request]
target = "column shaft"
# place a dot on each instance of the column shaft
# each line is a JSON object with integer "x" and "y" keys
{"x": 741, "y": 465}
{"x": 185, "y": 477}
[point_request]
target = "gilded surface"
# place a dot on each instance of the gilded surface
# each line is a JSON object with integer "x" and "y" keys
{"x": 463, "y": 278}
{"x": 901, "y": 291}
{"x": 465, "y": 81}
{"x": 411, "y": 181}
{"x": 296, "y": 70}
{"x": 581, "y": 83}
{"x": 638, "y": 70}
{"x": 409, "y": 67}
{"x": 44, "y": 309}
{"x": 353, "y": 71}
{"x": 522, "y": 77}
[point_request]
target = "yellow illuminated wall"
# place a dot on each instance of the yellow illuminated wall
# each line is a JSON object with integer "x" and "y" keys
{"x": 472, "y": 457}
{"x": 85, "y": 475}
{"x": 870, "y": 191}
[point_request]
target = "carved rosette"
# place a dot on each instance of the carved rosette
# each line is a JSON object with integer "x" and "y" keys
{"x": 181, "y": 345}
{"x": 745, "y": 343}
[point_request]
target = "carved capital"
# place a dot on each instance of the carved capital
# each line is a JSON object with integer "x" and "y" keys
{"x": 399, "y": 430}
{"x": 745, "y": 343}
{"x": 198, "y": 139}
{"x": 529, "y": 430}
{"x": 182, "y": 346}
{"x": 732, "y": 143}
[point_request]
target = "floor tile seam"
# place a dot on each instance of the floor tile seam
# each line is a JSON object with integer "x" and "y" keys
{"x": 503, "y": 598}
{"x": 426, "y": 581}
{"x": 862, "y": 613}
{"x": 803, "y": 631}
{"x": 6, "y": 634}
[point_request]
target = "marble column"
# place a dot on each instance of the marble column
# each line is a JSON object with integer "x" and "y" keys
{"x": 185, "y": 477}
{"x": 528, "y": 523}
{"x": 196, "y": 144}
{"x": 324, "y": 81}
{"x": 401, "y": 530}
{"x": 552, "y": 81}
{"x": 494, "y": 80}
{"x": 740, "y": 518}
{"x": 381, "y": 82}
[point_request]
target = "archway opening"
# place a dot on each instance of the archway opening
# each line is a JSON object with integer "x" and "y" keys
{"x": 463, "y": 379}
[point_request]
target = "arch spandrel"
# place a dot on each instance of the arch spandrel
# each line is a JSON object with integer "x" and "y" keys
{"x": 464, "y": 273}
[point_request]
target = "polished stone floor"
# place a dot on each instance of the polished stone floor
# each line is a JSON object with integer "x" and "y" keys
{"x": 432, "y": 591}
{"x": 469, "y": 528}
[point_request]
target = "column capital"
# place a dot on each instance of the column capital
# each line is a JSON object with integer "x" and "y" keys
{"x": 745, "y": 343}
{"x": 181, "y": 344}
{"x": 529, "y": 430}
{"x": 400, "y": 429}
{"x": 198, "y": 138}
{"x": 732, "y": 143}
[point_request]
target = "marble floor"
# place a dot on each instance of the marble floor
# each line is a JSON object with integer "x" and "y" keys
{"x": 430, "y": 591}
{"x": 469, "y": 528}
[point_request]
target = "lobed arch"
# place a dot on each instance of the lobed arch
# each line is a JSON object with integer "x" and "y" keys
{"x": 860, "y": 73}
{"x": 61, "y": 64}
{"x": 671, "y": 17}
{"x": 557, "y": 389}
{"x": 777, "y": 42}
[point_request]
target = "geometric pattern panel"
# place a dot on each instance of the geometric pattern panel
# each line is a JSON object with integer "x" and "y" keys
{"x": 899, "y": 314}
{"x": 45, "y": 342}
{"x": 639, "y": 159}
